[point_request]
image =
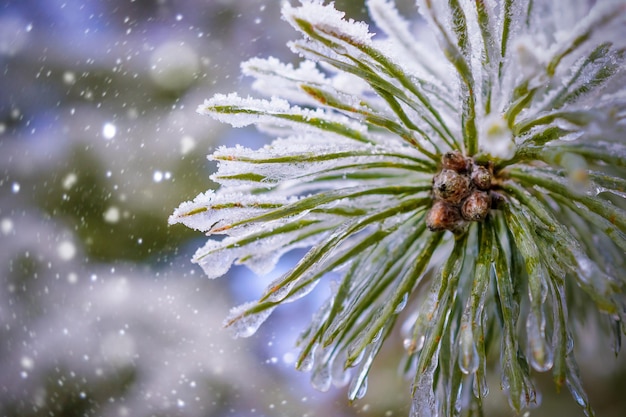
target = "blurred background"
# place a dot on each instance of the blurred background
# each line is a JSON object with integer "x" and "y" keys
{"x": 101, "y": 312}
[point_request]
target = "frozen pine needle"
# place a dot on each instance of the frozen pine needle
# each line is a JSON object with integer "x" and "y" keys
{"x": 464, "y": 174}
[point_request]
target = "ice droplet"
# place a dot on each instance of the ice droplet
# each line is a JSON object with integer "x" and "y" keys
{"x": 339, "y": 374}
{"x": 479, "y": 385}
{"x": 402, "y": 303}
{"x": 321, "y": 379}
{"x": 468, "y": 354}
{"x": 541, "y": 357}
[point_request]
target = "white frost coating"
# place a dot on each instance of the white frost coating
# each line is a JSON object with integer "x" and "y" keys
{"x": 351, "y": 84}
{"x": 386, "y": 16}
{"x": 304, "y": 145}
{"x": 317, "y": 14}
{"x": 257, "y": 106}
{"x": 260, "y": 254}
{"x": 530, "y": 55}
{"x": 240, "y": 112}
{"x": 271, "y": 75}
{"x": 306, "y": 72}
{"x": 215, "y": 212}
{"x": 608, "y": 15}
{"x": 403, "y": 44}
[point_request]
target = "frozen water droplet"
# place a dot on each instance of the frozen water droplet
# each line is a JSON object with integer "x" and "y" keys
{"x": 540, "y": 352}
{"x": 479, "y": 385}
{"x": 402, "y": 303}
{"x": 468, "y": 354}
{"x": 15, "y": 187}
{"x": 108, "y": 131}
{"x": 157, "y": 176}
{"x": 320, "y": 379}
{"x": 340, "y": 376}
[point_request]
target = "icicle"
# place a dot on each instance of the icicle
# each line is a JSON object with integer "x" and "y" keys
{"x": 321, "y": 378}
{"x": 540, "y": 351}
{"x": 479, "y": 385}
{"x": 244, "y": 324}
{"x": 575, "y": 386}
{"x": 340, "y": 376}
{"x": 468, "y": 354}
{"x": 357, "y": 389}
{"x": 424, "y": 403}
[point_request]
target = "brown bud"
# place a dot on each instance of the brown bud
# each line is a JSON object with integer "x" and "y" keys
{"x": 455, "y": 161}
{"x": 451, "y": 186}
{"x": 443, "y": 216}
{"x": 476, "y": 206}
{"x": 481, "y": 177}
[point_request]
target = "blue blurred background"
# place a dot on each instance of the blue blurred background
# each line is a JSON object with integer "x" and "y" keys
{"x": 101, "y": 312}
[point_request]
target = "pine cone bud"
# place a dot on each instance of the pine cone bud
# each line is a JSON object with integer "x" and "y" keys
{"x": 481, "y": 177}
{"x": 476, "y": 206}
{"x": 455, "y": 161}
{"x": 443, "y": 216}
{"x": 451, "y": 186}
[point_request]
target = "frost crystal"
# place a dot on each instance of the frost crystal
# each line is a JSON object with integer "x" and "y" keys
{"x": 466, "y": 177}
